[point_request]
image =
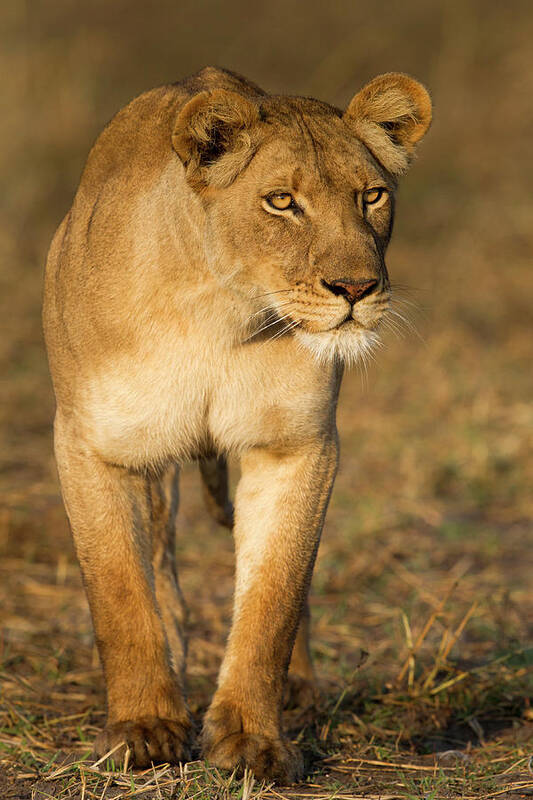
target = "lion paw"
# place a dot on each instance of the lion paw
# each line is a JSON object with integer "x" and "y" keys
{"x": 269, "y": 759}
{"x": 149, "y": 739}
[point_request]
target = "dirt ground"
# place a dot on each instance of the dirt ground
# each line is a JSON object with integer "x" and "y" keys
{"x": 422, "y": 596}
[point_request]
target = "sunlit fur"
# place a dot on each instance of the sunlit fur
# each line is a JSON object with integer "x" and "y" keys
{"x": 347, "y": 338}
{"x": 347, "y": 347}
{"x": 187, "y": 318}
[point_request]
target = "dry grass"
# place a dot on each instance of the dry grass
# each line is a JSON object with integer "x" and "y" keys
{"x": 425, "y": 563}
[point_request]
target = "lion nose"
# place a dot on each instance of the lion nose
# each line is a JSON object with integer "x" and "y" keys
{"x": 352, "y": 291}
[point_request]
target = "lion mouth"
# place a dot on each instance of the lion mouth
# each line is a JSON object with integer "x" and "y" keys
{"x": 345, "y": 324}
{"x": 369, "y": 322}
{"x": 348, "y": 321}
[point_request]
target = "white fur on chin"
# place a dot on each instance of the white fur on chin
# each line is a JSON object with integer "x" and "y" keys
{"x": 348, "y": 346}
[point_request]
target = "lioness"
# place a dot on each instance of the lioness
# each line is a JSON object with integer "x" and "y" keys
{"x": 222, "y": 261}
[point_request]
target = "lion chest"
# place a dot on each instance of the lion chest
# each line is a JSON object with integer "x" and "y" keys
{"x": 270, "y": 397}
{"x": 176, "y": 402}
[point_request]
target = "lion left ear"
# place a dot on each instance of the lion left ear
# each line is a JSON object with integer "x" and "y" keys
{"x": 390, "y": 115}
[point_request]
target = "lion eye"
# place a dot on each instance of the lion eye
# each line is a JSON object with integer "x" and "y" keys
{"x": 373, "y": 196}
{"x": 281, "y": 200}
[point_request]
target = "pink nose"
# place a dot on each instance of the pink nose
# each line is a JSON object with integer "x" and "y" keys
{"x": 352, "y": 291}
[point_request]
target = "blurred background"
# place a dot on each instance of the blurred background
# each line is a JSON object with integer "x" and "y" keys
{"x": 436, "y": 471}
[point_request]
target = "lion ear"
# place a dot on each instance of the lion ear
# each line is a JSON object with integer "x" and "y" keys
{"x": 213, "y": 137}
{"x": 391, "y": 114}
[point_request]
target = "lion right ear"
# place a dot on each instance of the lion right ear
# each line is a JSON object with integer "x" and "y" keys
{"x": 214, "y": 137}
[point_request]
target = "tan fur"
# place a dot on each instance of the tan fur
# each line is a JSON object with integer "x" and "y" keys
{"x": 391, "y": 110}
{"x": 186, "y": 318}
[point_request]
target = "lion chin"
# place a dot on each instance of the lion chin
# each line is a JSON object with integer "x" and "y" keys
{"x": 345, "y": 344}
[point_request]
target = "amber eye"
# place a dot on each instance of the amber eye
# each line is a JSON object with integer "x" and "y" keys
{"x": 373, "y": 196}
{"x": 280, "y": 200}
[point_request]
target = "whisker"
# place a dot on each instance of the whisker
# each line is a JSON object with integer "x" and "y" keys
{"x": 410, "y": 311}
{"x": 366, "y": 356}
{"x": 266, "y": 294}
{"x": 270, "y": 324}
{"x": 404, "y": 320}
{"x": 397, "y": 328}
{"x": 391, "y": 326}
{"x": 363, "y": 371}
{"x": 407, "y": 305}
{"x": 370, "y": 354}
{"x": 400, "y": 324}
{"x": 264, "y": 327}
{"x": 286, "y": 329}
{"x": 403, "y": 287}
{"x": 271, "y": 308}
{"x": 404, "y": 301}
{"x": 310, "y": 314}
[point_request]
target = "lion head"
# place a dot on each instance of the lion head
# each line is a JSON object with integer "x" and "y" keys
{"x": 299, "y": 204}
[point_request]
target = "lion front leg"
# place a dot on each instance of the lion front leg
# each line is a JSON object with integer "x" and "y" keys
{"x": 301, "y": 690}
{"x": 107, "y": 510}
{"x": 280, "y": 506}
{"x": 162, "y": 506}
